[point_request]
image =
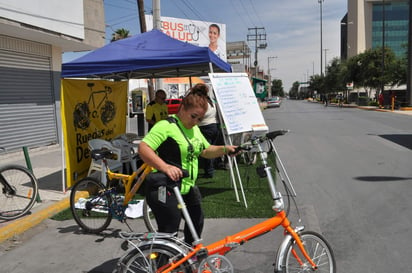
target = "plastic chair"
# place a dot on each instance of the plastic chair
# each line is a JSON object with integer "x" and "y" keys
{"x": 132, "y": 138}
{"x": 128, "y": 155}
{"x": 96, "y": 165}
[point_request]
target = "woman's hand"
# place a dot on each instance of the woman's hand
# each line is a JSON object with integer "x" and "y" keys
{"x": 173, "y": 172}
{"x": 214, "y": 151}
{"x": 231, "y": 150}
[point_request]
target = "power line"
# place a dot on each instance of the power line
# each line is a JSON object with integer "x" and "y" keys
{"x": 254, "y": 10}
{"x": 247, "y": 13}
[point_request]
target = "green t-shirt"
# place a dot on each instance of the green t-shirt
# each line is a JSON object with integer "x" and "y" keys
{"x": 170, "y": 144}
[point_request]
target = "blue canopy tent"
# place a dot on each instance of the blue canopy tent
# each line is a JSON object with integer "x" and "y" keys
{"x": 151, "y": 54}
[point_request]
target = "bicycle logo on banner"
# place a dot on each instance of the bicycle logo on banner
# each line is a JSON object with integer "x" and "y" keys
{"x": 102, "y": 108}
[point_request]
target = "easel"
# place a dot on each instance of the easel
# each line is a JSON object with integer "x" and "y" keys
{"x": 239, "y": 111}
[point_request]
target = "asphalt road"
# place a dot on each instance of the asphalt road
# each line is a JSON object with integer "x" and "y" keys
{"x": 351, "y": 169}
{"x": 354, "y": 166}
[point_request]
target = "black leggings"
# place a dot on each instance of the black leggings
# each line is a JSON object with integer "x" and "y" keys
{"x": 168, "y": 215}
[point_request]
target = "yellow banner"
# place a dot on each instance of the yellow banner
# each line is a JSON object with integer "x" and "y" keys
{"x": 90, "y": 109}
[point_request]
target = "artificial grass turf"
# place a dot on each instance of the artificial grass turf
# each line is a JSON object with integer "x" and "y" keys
{"x": 219, "y": 198}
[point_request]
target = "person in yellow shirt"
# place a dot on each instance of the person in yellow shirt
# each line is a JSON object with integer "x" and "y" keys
{"x": 157, "y": 109}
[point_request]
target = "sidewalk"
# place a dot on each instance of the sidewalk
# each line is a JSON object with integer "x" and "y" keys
{"x": 47, "y": 167}
{"x": 404, "y": 110}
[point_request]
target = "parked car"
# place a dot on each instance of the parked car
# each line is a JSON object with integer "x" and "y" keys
{"x": 273, "y": 102}
{"x": 173, "y": 105}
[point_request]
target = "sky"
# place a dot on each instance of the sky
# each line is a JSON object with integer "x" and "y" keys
{"x": 292, "y": 29}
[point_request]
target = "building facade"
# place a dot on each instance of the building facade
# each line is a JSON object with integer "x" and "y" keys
{"x": 32, "y": 41}
{"x": 375, "y": 23}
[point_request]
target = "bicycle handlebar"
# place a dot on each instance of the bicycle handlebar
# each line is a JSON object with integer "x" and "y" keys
{"x": 257, "y": 139}
{"x": 273, "y": 134}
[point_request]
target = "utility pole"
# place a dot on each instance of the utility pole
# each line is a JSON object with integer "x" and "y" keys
{"x": 156, "y": 25}
{"x": 270, "y": 77}
{"x": 156, "y": 14}
{"x": 257, "y": 34}
{"x": 142, "y": 19}
{"x": 141, "y": 128}
{"x": 321, "y": 40}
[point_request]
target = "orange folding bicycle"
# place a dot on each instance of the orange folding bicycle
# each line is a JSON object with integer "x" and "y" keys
{"x": 300, "y": 251}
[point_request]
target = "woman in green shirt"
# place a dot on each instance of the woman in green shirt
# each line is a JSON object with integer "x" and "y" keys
{"x": 175, "y": 144}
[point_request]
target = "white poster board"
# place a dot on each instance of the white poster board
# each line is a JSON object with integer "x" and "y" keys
{"x": 237, "y": 103}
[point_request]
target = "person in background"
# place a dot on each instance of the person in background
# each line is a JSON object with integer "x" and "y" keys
{"x": 209, "y": 127}
{"x": 381, "y": 100}
{"x": 214, "y": 34}
{"x": 175, "y": 144}
{"x": 156, "y": 110}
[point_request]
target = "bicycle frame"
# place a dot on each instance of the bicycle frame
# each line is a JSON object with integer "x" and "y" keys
{"x": 226, "y": 244}
{"x": 127, "y": 179}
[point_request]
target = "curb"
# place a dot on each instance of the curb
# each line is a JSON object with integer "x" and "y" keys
{"x": 23, "y": 224}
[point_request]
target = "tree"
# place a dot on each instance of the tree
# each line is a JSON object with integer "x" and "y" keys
{"x": 365, "y": 69}
{"x": 119, "y": 34}
{"x": 317, "y": 83}
{"x": 334, "y": 80}
{"x": 277, "y": 88}
{"x": 294, "y": 90}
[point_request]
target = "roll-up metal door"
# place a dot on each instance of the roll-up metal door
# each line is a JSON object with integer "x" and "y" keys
{"x": 27, "y": 104}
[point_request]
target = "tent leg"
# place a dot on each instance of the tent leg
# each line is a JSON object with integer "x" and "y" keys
{"x": 140, "y": 124}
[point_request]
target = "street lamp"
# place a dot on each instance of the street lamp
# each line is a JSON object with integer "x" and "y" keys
{"x": 326, "y": 49}
{"x": 321, "y": 49}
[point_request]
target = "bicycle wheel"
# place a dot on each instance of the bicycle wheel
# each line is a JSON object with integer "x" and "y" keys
{"x": 149, "y": 259}
{"x": 150, "y": 221}
{"x": 148, "y": 217}
{"x": 90, "y": 205}
{"x": 18, "y": 191}
{"x": 318, "y": 249}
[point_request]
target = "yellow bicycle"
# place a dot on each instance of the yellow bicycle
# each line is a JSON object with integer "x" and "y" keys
{"x": 94, "y": 203}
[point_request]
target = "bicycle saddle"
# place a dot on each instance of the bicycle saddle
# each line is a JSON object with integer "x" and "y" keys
{"x": 98, "y": 154}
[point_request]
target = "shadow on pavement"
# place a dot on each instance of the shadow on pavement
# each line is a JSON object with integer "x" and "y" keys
{"x": 403, "y": 140}
{"x": 51, "y": 182}
{"x": 381, "y": 178}
{"x": 105, "y": 267}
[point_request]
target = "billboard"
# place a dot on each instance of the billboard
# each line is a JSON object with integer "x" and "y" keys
{"x": 192, "y": 31}
{"x": 90, "y": 109}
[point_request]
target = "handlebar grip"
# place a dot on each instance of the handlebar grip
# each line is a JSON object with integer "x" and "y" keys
{"x": 185, "y": 173}
{"x": 238, "y": 149}
{"x": 272, "y": 135}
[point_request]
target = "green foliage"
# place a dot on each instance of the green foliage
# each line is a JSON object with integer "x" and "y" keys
{"x": 317, "y": 83}
{"x": 119, "y": 34}
{"x": 334, "y": 78}
{"x": 364, "y": 70}
{"x": 277, "y": 88}
{"x": 294, "y": 90}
